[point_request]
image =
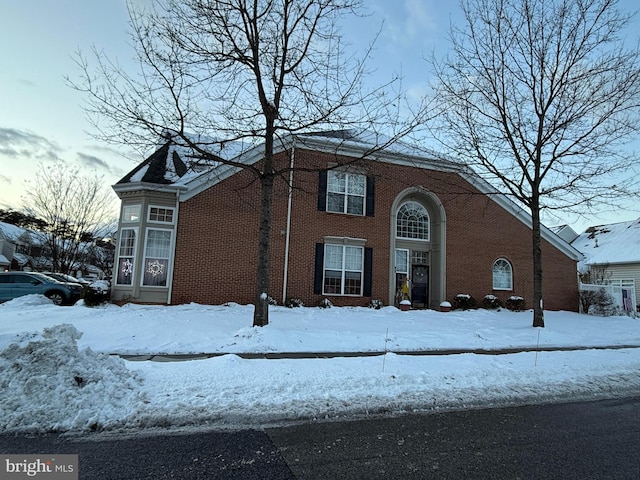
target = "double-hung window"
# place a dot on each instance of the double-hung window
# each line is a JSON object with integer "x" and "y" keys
{"x": 157, "y": 252}
{"x": 126, "y": 255}
{"x": 346, "y": 192}
{"x": 343, "y": 270}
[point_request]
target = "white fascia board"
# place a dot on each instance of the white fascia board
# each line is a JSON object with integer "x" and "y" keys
{"x": 626, "y": 262}
{"x": 147, "y": 187}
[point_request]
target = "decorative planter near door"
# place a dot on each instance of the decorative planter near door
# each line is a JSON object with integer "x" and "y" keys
{"x": 405, "y": 305}
{"x": 445, "y": 307}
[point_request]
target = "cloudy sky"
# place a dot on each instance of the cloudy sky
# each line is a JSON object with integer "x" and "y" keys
{"x": 41, "y": 117}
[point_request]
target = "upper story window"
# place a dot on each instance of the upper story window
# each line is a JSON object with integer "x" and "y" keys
{"x": 161, "y": 214}
{"x": 346, "y": 192}
{"x": 130, "y": 213}
{"x": 502, "y": 275}
{"x": 412, "y": 221}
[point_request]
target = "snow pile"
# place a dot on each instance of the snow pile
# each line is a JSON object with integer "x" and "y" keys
{"x": 229, "y": 391}
{"x": 50, "y": 385}
{"x": 62, "y": 380}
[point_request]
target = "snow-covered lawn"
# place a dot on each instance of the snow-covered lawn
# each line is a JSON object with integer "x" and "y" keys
{"x": 57, "y": 374}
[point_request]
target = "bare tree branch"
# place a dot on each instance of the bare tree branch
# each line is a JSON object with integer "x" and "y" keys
{"x": 539, "y": 98}
{"x": 250, "y": 70}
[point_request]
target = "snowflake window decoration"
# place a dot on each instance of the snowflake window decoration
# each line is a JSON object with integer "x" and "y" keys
{"x": 155, "y": 268}
{"x": 127, "y": 267}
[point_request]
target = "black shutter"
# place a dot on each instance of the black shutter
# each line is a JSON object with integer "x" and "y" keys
{"x": 322, "y": 191}
{"x": 319, "y": 266}
{"x": 368, "y": 267}
{"x": 370, "y": 196}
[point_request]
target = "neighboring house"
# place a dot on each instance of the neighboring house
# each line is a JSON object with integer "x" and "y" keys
{"x": 349, "y": 230}
{"x": 611, "y": 254}
{"x": 15, "y": 243}
{"x": 24, "y": 249}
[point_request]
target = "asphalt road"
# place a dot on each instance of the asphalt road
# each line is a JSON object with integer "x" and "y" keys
{"x": 588, "y": 440}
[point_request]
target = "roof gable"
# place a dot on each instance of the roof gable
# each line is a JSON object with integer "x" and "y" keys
{"x": 178, "y": 166}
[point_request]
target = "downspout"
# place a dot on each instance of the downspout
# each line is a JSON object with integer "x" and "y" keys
{"x": 173, "y": 255}
{"x": 288, "y": 233}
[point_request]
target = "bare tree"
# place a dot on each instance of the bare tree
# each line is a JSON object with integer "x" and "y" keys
{"x": 539, "y": 98}
{"x": 249, "y": 70}
{"x": 75, "y": 209}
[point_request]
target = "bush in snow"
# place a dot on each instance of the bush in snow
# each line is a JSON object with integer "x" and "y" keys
{"x": 293, "y": 302}
{"x": 272, "y": 301}
{"x": 96, "y": 294}
{"x": 464, "y": 301}
{"x": 599, "y": 303}
{"x": 325, "y": 303}
{"x": 376, "y": 304}
{"x": 491, "y": 302}
{"x": 515, "y": 303}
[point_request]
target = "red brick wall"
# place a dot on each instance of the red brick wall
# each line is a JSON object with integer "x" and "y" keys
{"x": 217, "y": 235}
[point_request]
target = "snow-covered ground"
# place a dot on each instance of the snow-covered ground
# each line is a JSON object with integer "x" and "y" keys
{"x": 57, "y": 374}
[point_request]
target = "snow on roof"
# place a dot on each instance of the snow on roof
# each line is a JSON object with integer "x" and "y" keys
{"x": 369, "y": 140}
{"x": 11, "y": 232}
{"x": 175, "y": 162}
{"x": 21, "y": 258}
{"x": 613, "y": 243}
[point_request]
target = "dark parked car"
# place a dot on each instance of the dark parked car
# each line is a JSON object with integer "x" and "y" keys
{"x": 63, "y": 277}
{"x": 17, "y": 284}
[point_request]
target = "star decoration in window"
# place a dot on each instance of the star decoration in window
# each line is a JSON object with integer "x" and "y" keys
{"x": 127, "y": 267}
{"x": 155, "y": 268}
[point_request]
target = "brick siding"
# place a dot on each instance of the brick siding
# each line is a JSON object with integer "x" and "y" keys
{"x": 217, "y": 236}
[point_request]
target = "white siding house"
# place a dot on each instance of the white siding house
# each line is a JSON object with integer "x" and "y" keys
{"x": 612, "y": 252}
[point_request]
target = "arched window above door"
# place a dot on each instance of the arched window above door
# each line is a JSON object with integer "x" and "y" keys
{"x": 412, "y": 221}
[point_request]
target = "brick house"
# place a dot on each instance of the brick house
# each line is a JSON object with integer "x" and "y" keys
{"x": 357, "y": 226}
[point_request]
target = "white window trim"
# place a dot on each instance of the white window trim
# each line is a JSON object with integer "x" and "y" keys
{"x": 169, "y": 258}
{"x": 123, "y": 219}
{"x": 343, "y": 270}
{"x": 346, "y": 194}
{"x": 133, "y": 257}
{"x": 493, "y": 279}
{"x": 161, "y": 222}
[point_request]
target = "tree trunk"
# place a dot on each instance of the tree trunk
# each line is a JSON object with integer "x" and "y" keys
{"x": 261, "y": 310}
{"x": 538, "y": 307}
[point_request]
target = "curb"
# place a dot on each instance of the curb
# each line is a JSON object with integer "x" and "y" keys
{"x": 321, "y": 355}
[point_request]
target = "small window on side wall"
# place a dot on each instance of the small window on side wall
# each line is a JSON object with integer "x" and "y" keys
{"x": 161, "y": 214}
{"x": 502, "y": 275}
{"x": 131, "y": 214}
